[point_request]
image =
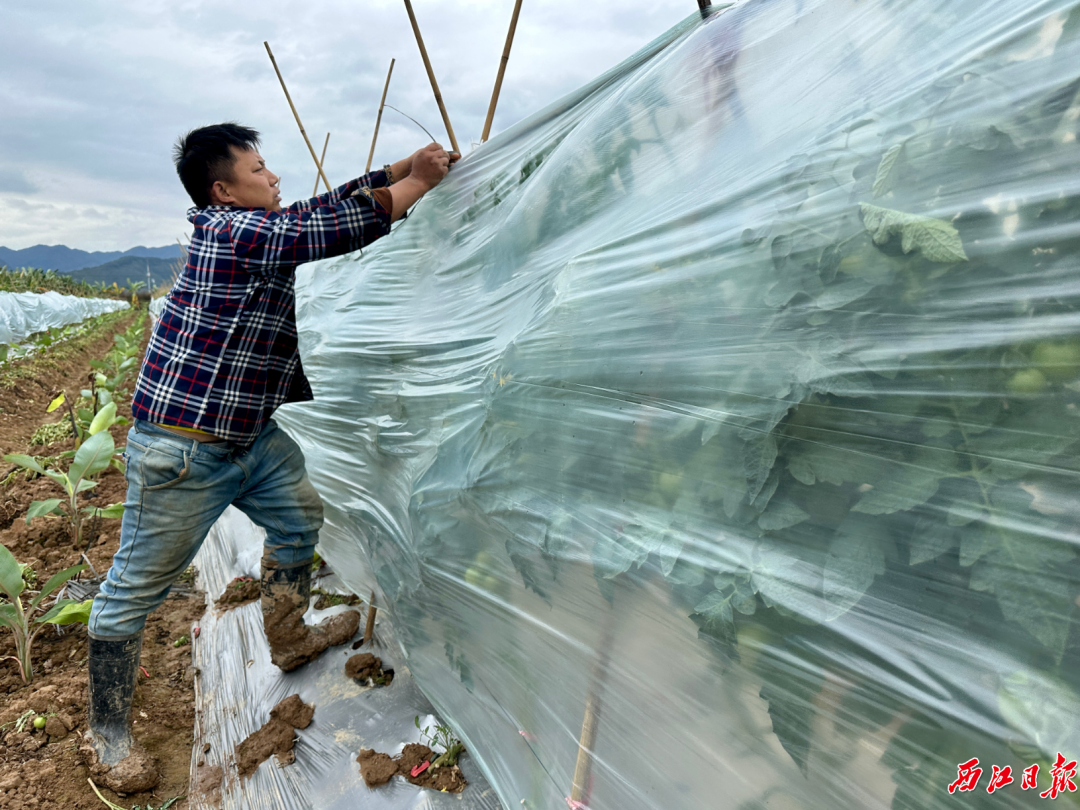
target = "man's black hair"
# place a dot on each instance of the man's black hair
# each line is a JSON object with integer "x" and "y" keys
{"x": 203, "y": 157}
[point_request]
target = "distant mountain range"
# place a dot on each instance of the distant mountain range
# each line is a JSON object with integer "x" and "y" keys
{"x": 68, "y": 260}
{"x": 128, "y": 267}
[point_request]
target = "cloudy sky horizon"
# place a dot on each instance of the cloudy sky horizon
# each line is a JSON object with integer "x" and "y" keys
{"x": 95, "y": 94}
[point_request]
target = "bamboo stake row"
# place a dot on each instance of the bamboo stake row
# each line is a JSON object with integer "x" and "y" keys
{"x": 322, "y": 160}
{"x": 378, "y": 118}
{"x": 296, "y": 115}
{"x": 502, "y": 71}
{"x": 431, "y": 76}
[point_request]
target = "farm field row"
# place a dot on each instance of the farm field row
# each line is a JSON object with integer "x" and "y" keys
{"x": 40, "y": 767}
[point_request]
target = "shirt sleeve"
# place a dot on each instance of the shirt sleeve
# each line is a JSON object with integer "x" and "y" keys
{"x": 376, "y": 179}
{"x": 267, "y": 241}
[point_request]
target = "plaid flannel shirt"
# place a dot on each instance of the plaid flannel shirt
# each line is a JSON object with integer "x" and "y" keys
{"x": 223, "y": 356}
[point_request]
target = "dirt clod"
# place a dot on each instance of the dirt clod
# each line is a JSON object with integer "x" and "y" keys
{"x": 294, "y": 711}
{"x": 366, "y": 667}
{"x": 54, "y": 727}
{"x": 238, "y": 592}
{"x": 376, "y": 768}
{"x": 276, "y": 738}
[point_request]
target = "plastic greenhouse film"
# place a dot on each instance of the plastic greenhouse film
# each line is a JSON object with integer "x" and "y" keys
{"x": 24, "y": 314}
{"x": 711, "y": 435}
{"x": 156, "y": 307}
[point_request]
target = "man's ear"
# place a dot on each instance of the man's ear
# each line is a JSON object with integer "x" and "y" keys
{"x": 219, "y": 195}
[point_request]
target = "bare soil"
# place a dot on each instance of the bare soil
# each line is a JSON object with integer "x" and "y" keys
{"x": 41, "y": 769}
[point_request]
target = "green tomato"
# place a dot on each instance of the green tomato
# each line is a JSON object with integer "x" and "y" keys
{"x": 1027, "y": 381}
{"x": 39, "y": 722}
{"x": 670, "y": 484}
{"x": 475, "y": 577}
{"x": 1059, "y": 361}
{"x": 851, "y": 263}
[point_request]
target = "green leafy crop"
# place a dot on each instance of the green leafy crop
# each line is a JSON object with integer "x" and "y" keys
{"x": 26, "y": 621}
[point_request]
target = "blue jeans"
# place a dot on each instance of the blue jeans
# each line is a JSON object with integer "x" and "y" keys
{"x": 177, "y": 488}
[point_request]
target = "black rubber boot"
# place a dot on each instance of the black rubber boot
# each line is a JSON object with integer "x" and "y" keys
{"x": 285, "y": 594}
{"x": 114, "y": 757}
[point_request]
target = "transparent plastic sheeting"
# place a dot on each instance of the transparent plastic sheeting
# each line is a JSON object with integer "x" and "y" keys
{"x": 237, "y": 687}
{"x": 156, "y": 306}
{"x": 728, "y": 409}
{"x": 24, "y": 314}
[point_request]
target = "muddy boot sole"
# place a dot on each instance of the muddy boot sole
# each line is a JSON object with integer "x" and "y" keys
{"x": 135, "y": 773}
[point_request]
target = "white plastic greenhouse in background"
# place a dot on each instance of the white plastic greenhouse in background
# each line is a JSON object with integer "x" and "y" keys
{"x": 724, "y": 415}
{"x": 24, "y": 314}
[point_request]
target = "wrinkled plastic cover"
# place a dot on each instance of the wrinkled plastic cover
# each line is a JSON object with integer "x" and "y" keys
{"x": 23, "y": 314}
{"x": 237, "y": 686}
{"x": 156, "y": 307}
{"x": 727, "y": 411}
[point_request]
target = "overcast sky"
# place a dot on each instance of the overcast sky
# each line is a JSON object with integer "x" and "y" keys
{"x": 94, "y": 94}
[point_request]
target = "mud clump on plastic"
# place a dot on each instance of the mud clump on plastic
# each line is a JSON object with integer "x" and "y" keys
{"x": 238, "y": 592}
{"x": 367, "y": 667}
{"x": 276, "y": 738}
{"x": 293, "y": 711}
{"x": 445, "y": 777}
{"x": 378, "y": 769}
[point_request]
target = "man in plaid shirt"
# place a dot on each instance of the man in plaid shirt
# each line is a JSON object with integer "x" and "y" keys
{"x": 221, "y": 359}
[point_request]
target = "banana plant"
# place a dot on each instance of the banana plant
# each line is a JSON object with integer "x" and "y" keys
{"x": 110, "y": 374}
{"x": 86, "y": 422}
{"x": 93, "y": 457}
{"x": 22, "y": 620}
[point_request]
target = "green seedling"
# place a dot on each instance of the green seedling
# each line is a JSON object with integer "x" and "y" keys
{"x": 441, "y": 737}
{"x": 93, "y": 457}
{"x": 84, "y": 422}
{"x": 21, "y": 722}
{"x": 23, "y": 621}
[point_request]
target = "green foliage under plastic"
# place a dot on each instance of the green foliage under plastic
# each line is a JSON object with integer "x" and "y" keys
{"x": 737, "y": 397}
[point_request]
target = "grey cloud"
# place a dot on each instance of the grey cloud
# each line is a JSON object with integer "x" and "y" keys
{"x": 13, "y": 180}
{"x": 95, "y": 94}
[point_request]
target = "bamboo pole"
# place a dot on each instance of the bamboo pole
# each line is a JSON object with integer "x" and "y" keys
{"x": 431, "y": 76}
{"x": 590, "y": 724}
{"x": 296, "y": 115}
{"x": 322, "y": 160}
{"x": 378, "y": 118}
{"x": 502, "y": 71}
{"x": 369, "y": 628}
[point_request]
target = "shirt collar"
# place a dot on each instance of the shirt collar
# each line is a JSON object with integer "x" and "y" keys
{"x": 194, "y": 211}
